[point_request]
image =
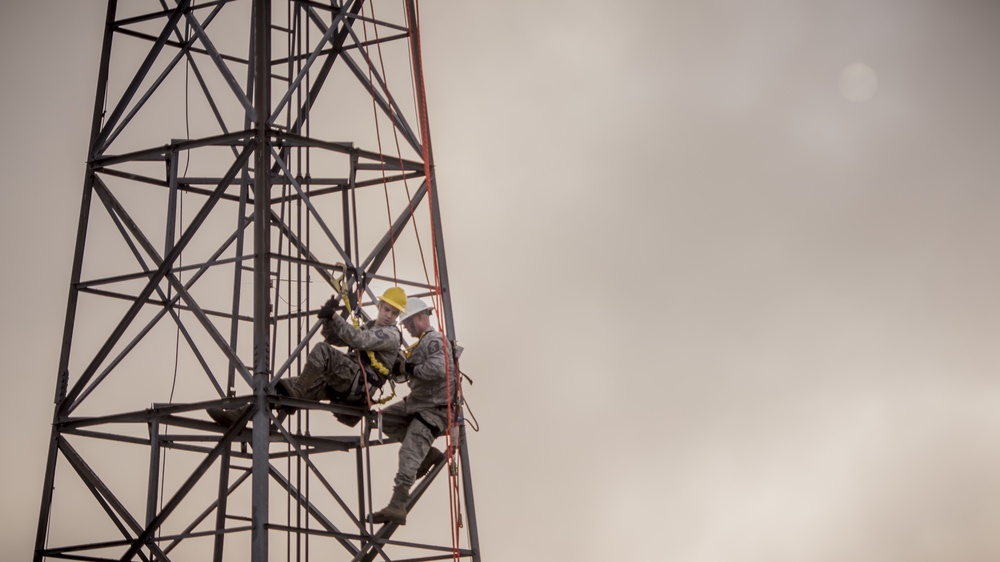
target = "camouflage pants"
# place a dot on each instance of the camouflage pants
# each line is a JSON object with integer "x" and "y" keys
{"x": 415, "y": 436}
{"x": 336, "y": 369}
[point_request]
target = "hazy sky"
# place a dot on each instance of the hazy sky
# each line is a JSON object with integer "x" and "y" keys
{"x": 715, "y": 311}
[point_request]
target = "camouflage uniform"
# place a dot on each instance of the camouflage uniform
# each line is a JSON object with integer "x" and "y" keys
{"x": 339, "y": 378}
{"x": 423, "y": 413}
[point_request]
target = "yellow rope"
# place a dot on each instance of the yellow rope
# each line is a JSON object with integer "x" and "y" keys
{"x": 381, "y": 401}
{"x": 412, "y": 346}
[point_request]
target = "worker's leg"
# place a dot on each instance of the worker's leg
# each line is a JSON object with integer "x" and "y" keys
{"x": 415, "y": 445}
{"x": 336, "y": 368}
{"x": 415, "y": 454}
{"x": 325, "y": 365}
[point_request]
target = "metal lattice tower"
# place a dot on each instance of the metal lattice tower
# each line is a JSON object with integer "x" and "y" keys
{"x": 243, "y": 154}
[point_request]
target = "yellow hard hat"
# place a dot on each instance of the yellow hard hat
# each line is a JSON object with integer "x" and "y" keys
{"x": 395, "y": 297}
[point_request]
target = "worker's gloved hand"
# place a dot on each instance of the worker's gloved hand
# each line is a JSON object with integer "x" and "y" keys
{"x": 402, "y": 370}
{"x": 329, "y": 309}
{"x": 398, "y": 370}
{"x": 408, "y": 368}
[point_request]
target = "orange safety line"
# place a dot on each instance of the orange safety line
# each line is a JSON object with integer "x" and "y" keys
{"x": 453, "y": 491}
{"x": 378, "y": 132}
{"x": 399, "y": 151}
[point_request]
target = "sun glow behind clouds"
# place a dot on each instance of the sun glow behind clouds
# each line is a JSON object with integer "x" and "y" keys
{"x": 858, "y": 82}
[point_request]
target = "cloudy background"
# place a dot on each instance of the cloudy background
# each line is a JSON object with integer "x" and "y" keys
{"x": 715, "y": 310}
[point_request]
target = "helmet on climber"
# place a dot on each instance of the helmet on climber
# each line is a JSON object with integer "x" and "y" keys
{"x": 390, "y": 305}
{"x": 396, "y": 297}
{"x": 416, "y": 318}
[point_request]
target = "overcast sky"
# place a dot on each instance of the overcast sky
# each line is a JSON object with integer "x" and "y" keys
{"x": 722, "y": 300}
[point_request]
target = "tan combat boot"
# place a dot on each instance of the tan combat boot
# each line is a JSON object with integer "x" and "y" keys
{"x": 226, "y": 417}
{"x": 395, "y": 512}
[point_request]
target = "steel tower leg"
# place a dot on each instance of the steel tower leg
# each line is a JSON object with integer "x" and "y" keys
{"x": 262, "y": 275}
{"x": 62, "y": 375}
{"x": 470, "y": 503}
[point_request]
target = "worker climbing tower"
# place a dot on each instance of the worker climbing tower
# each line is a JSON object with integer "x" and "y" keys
{"x": 248, "y": 159}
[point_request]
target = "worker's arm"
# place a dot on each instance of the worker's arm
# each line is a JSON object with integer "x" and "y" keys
{"x": 372, "y": 339}
{"x": 427, "y": 361}
{"x": 330, "y": 335}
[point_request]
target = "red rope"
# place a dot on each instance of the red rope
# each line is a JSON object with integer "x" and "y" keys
{"x": 399, "y": 151}
{"x": 453, "y": 488}
{"x": 453, "y": 491}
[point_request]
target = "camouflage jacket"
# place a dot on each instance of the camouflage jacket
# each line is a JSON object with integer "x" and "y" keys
{"x": 429, "y": 386}
{"x": 384, "y": 342}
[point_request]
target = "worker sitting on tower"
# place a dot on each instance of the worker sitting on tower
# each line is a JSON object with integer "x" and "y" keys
{"x": 341, "y": 377}
{"x": 423, "y": 413}
{"x": 331, "y": 373}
